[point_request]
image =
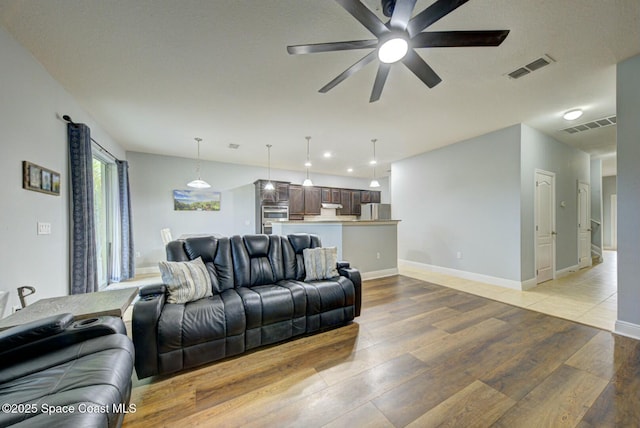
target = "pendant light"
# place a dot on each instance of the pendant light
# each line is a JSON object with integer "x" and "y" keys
{"x": 198, "y": 183}
{"x": 374, "y": 182}
{"x": 307, "y": 181}
{"x": 269, "y": 185}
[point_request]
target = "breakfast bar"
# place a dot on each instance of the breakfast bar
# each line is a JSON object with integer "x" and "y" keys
{"x": 369, "y": 245}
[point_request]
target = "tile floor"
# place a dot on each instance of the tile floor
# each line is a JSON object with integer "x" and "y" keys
{"x": 589, "y": 296}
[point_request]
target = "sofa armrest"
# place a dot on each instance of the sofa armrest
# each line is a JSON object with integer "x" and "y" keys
{"x": 144, "y": 329}
{"x": 354, "y": 275}
{"x": 148, "y": 290}
{"x": 343, "y": 264}
{"x": 32, "y": 339}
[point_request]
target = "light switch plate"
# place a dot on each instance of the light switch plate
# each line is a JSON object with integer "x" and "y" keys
{"x": 44, "y": 228}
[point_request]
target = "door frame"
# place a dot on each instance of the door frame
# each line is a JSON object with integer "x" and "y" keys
{"x": 613, "y": 213}
{"x": 552, "y": 175}
{"x": 588, "y": 219}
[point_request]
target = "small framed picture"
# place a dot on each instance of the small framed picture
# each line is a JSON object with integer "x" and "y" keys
{"x": 40, "y": 179}
{"x": 46, "y": 180}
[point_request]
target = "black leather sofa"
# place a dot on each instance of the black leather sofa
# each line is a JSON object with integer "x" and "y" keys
{"x": 57, "y": 372}
{"x": 259, "y": 298}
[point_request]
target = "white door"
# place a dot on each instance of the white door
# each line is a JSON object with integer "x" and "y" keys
{"x": 614, "y": 222}
{"x": 584, "y": 226}
{"x": 545, "y": 226}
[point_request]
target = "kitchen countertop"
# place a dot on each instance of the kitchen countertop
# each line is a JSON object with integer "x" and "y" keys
{"x": 348, "y": 222}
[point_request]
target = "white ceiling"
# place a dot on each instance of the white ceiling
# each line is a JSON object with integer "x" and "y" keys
{"x": 157, "y": 73}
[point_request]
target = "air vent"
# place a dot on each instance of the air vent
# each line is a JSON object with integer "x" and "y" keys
{"x": 233, "y": 146}
{"x": 534, "y": 65}
{"x": 600, "y": 123}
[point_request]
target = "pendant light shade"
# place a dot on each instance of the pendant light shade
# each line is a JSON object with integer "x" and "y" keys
{"x": 269, "y": 185}
{"x": 198, "y": 183}
{"x": 374, "y": 182}
{"x": 307, "y": 181}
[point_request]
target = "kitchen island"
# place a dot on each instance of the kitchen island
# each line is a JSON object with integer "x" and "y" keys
{"x": 369, "y": 245}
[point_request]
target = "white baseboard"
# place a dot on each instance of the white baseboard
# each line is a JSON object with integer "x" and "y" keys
{"x": 628, "y": 329}
{"x": 487, "y": 279}
{"x": 566, "y": 271}
{"x": 379, "y": 273}
{"x": 529, "y": 284}
{"x": 148, "y": 270}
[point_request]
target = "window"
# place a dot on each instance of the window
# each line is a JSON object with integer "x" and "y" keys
{"x": 104, "y": 203}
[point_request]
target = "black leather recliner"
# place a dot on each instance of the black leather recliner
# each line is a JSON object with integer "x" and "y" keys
{"x": 58, "y": 372}
{"x": 259, "y": 297}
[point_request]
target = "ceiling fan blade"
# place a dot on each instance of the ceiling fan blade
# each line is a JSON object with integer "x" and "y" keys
{"x": 432, "y": 14}
{"x": 367, "y": 18}
{"x": 449, "y": 39}
{"x": 349, "y": 71}
{"x": 416, "y": 64}
{"x": 330, "y": 47}
{"x": 381, "y": 77}
{"x": 402, "y": 14}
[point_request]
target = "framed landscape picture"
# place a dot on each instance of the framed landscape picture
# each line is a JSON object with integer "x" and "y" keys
{"x": 196, "y": 200}
{"x": 40, "y": 179}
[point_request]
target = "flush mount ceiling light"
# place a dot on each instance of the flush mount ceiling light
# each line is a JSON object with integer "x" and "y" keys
{"x": 198, "y": 183}
{"x": 572, "y": 114}
{"x": 374, "y": 182}
{"x": 307, "y": 181}
{"x": 269, "y": 185}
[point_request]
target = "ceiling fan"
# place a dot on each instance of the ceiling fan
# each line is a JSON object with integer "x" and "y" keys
{"x": 398, "y": 38}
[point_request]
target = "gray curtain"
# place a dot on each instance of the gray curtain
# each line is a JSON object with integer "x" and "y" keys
{"x": 127, "y": 269}
{"x": 84, "y": 276}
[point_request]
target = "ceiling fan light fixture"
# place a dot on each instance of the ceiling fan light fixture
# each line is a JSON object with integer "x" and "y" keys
{"x": 572, "y": 114}
{"x": 393, "y": 49}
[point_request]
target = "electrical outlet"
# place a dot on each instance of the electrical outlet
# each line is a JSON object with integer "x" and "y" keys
{"x": 378, "y": 256}
{"x": 459, "y": 254}
{"x": 44, "y": 228}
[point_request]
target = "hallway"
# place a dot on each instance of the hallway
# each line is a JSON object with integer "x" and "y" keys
{"x": 589, "y": 296}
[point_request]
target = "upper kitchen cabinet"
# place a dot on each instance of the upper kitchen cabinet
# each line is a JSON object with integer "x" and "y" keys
{"x": 312, "y": 198}
{"x": 280, "y": 193}
{"x": 331, "y": 195}
{"x": 370, "y": 196}
{"x": 296, "y": 202}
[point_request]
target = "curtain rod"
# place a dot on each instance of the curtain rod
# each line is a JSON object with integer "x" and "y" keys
{"x": 67, "y": 118}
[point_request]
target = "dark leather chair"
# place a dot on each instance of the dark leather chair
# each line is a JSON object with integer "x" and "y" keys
{"x": 61, "y": 372}
{"x": 259, "y": 298}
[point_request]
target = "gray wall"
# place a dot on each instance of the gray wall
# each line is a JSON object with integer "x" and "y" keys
{"x": 462, "y": 198}
{"x": 608, "y": 188}
{"x": 570, "y": 165}
{"x": 30, "y": 130}
{"x": 628, "y": 111}
{"x": 154, "y": 177}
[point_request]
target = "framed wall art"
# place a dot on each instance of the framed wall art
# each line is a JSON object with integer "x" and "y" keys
{"x": 40, "y": 179}
{"x": 196, "y": 200}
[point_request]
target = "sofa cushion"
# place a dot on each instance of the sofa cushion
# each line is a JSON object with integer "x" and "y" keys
{"x": 185, "y": 281}
{"x": 320, "y": 263}
{"x": 95, "y": 372}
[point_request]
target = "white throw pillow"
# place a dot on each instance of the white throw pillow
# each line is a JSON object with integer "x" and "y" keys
{"x": 186, "y": 281}
{"x": 320, "y": 263}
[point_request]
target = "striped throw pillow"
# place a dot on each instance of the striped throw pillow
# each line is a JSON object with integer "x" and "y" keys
{"x": 320, "y": 263}
{"x": 186, "y": 281}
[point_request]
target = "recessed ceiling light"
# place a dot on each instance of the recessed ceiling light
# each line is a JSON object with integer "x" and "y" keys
{"x": 373, "y": 162}
{"x": 572, "y": 114}
{"x": 349, "y": 169}
{"x": 327, "y": 154}
{"x": 307, "y": 164}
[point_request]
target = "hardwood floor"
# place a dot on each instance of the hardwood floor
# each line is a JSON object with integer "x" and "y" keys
{"x": 420, "y": 355}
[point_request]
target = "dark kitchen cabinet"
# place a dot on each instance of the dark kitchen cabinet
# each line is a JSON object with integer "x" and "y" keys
{"x": 312, "y": 198}
{"x": 296, "y": 202}
{"x": 278, "y": 196}
{"x": 326, "y": 195}
{"x": 356, "y": 207}
{"x": 370, "y": 196}
{"x": 336, "y": 197}
{"x": 345, "y": 200}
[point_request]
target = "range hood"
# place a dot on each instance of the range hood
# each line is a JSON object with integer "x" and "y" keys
{"x": 332, "y": 206}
